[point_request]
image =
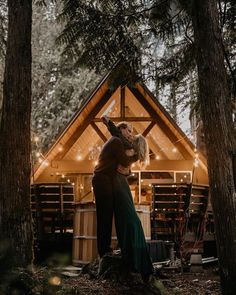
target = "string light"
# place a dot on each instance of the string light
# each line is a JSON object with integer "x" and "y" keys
{"x": 36, "y": 139}
{"x": 40, "y": 160}
{"x": 60, "y": 149}
{"x": 196, "y": 163}
{"x": 196, "y": 158}
{"x": 78, "y": 157}
{"x": 174, "y": 150}
{"x": 45, "y": 163}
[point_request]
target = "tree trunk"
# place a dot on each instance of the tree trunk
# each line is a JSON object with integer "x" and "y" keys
{"x": 15, "y": 209}
{"x": 219, "y": 135}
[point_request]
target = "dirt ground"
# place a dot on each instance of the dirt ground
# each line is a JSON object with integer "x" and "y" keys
{"x": 184, "y": 284}
{"x": 86, "y": 281}
{"x": 204, "y": 283}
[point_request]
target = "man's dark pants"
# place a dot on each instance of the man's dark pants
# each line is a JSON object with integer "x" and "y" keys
{"x": 103, "y": 191}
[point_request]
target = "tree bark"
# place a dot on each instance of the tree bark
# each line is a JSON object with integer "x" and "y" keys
{"x": 15, "y": 209}
{"x": 219, "y": 134}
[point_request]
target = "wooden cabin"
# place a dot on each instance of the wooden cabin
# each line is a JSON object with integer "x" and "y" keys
{"x": 170, "y": 193}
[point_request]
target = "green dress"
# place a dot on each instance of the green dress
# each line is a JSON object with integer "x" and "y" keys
{"x": 129, "y": 229}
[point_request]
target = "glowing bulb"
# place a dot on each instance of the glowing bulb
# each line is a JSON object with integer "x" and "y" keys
{"x": 79, "y": 157}
{"x": 62, "y": 176}
{"x": 46, "y": 163}
{"x": 60, "y": 149}
{"x": 174, "y": 150}
{"x": 196, "y": 163}
{"x": 157, "y": 157}
{"x": 38, "y": 154}
{"x": 68, "y": 180}
{"x": 36, "y": 138}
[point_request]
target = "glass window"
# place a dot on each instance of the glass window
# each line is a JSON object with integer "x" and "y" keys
{"x": 157, "y": 177}
{"x": 183, "y": 177}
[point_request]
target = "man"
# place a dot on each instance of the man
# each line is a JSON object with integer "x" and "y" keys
{"x": 112, "y": 154}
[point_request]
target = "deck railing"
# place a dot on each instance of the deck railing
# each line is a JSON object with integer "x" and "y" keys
{"x": 52, "y": 208}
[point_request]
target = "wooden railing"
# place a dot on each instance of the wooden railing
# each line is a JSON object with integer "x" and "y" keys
{"x": 179, "y": 211}
{"x": 52, "y": 208}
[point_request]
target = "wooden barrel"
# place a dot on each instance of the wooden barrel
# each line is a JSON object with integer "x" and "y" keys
{"x": 84, "y": 234}
{"x": 143, "y": 212}
{"x": 85, "y": 231}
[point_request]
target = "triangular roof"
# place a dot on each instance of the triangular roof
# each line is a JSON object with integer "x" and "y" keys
{"x": 131, "y": 102}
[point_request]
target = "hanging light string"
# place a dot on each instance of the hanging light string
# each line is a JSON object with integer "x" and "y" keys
{"x": 93, "y": 154}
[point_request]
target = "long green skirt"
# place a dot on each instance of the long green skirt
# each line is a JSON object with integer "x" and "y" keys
{"x": 129, "y": 229}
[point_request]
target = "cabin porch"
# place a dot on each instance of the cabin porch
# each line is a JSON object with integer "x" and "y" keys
{"x": 177, "y": 212}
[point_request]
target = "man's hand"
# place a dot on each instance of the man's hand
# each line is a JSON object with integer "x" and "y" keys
{"x": 105, "y": 119}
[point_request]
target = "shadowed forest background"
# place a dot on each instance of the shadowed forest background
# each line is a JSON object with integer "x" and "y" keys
{"x": 53, "y": 53}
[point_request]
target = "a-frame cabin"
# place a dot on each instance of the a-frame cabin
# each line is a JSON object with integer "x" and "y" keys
{"x": 174, "y": 183}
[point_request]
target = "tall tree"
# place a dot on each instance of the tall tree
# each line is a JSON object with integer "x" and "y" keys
{"x": 15, "y": 213}
{"x": 219, "y": 134}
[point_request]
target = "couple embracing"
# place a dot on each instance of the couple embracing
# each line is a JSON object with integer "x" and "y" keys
{"x": 113, "y": 197}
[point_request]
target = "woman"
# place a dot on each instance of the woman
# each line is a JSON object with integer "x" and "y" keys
{"x": 128, "y": 225}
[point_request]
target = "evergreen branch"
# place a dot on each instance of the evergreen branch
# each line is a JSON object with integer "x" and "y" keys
{"x": 230, "y": 70}
{"x": 186, "y": 33}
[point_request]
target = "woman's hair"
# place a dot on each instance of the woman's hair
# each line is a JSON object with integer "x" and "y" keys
{"x": 142, "y": 149}
{"x": 140, "y": 146}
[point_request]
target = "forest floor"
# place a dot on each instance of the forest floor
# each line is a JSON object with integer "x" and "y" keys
{"x": 60, "y": 282}
{"x": 204, "y": 283}
{"x": 71, "y": 281}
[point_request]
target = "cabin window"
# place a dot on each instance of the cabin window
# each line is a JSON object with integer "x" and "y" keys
{"x": 141, "y": 182}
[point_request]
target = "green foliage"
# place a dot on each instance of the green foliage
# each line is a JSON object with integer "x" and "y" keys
{"x": 59, "y": 86}
{"x": 98, "y": 34}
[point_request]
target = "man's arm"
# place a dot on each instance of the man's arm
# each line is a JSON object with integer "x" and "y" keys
{"x": 116, "y": 131}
